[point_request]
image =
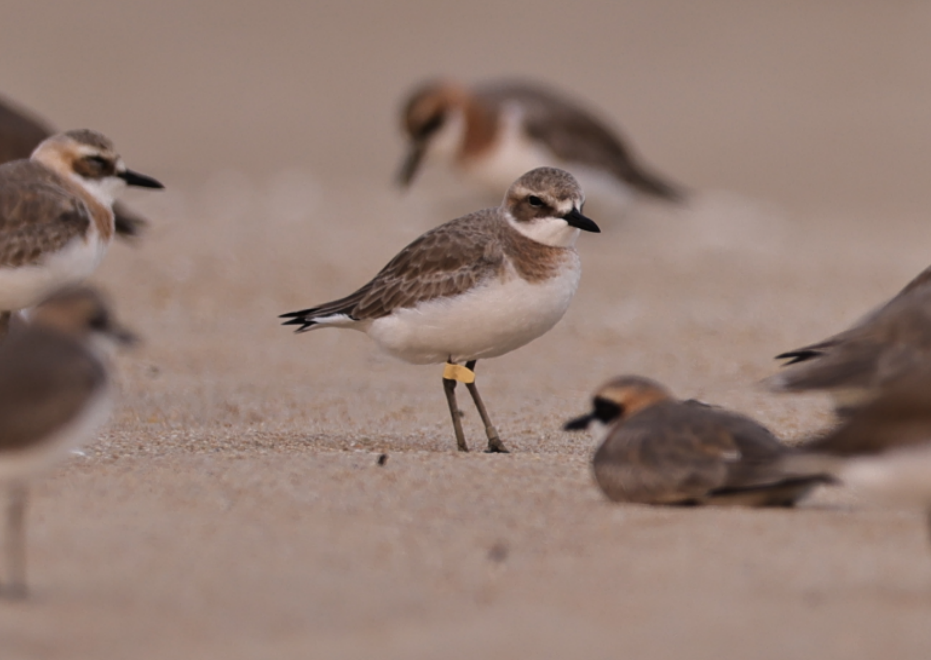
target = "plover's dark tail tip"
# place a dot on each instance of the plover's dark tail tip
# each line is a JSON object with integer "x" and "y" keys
{"x": 305, "y": 323}
{"x": 295, "y": 315}
{"x": 801, "y": 355}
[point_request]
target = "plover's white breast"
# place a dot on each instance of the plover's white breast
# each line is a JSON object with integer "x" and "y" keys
{"x": 489, "y": 320}
{"x": 25, "y": 286}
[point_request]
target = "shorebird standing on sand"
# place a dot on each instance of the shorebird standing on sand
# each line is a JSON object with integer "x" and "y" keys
{"x": 492, "y": 133}
{"x": 56, "y": 216}
{"x": 476, "y": 287}
{"x": 659, "y": 450}
{"x": 854, "y": 365}
{"x": 21, "y": 132}
{"x": 54, "y": 395}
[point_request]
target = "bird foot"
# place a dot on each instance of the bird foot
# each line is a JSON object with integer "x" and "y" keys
{"x": 495, "y": 446}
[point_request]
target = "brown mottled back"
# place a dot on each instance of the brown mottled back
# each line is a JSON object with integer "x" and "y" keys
{"x": 38, "y": 213}
{"x": 447, "y": 261}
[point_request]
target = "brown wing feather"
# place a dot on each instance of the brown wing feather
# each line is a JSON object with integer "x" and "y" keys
{"x": 574, "y": 135}
{"x": 887, "y": 344}
{"x": 36, "y": 213}
{"x": 445, "y": 261}
{"x": 45, "y": 382}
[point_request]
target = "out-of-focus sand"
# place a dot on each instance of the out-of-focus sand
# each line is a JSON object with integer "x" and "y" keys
{"x": 234, "y": 509}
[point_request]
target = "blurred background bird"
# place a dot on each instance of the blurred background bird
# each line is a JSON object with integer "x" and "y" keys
{"x": 54, "y": 396}
{"x": 493, "y": 132}
{"x": 56, "y": 217}
{"x": 656, "y": 449}
{"x": 21, "y": 131}
{"x": 883, "y": 450}
{"x": 855, "y": 365}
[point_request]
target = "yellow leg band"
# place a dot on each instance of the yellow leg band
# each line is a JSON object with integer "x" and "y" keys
{"x": 458, "y": 372}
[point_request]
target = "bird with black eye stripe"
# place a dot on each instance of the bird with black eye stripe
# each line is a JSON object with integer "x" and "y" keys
{"x": 492, "y": 132}
{"x": 56, "y": 215}
{"x": 21, "y": 131}
{"x": 473, "y": 288}
{"x": 656, "y": 449}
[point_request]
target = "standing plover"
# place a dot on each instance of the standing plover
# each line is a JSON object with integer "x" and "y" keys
{"x": 492, "y": 133}
{"x": 852, "y": 365}
{"x": 56, "y": 219}
{"x": 659, "y": 450}
{"x": 476, "y": 287}
{"x": 21, "y": 132}
{"x": 54, "y": 395}
{"x": 883, "y": 449}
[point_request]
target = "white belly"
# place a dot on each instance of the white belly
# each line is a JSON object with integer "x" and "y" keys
{"x": 901, "y": 477}
{"x": 486, "y": 322}
{"x": 26, "y": 286}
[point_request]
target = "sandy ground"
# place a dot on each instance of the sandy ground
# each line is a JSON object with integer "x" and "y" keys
{"x": 233, "y": 508}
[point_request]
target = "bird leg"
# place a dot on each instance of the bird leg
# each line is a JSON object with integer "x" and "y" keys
{"x": 494, "y": 442}
{"x": 449, "y": 385}
{"x": 16, "y": 542}
{"x": 928, "y": 519}
{"x": 4, "y": 324}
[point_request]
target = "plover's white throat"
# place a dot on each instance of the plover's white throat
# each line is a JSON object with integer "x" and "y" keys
{"x": 476, "y": 287}
{"x": 659, "y": 450}
{"x": 492, "y": 133}
{"x": 21, "y": 131}
{"x": 56, "y": 217}
{"x": 54, "y": 395}
{"x": 855, "y": 364}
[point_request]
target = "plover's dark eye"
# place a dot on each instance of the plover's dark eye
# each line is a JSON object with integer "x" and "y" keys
{"x": 535, "y": 201}
{"x": 99, "y": 321}
{"x": 432, "y": 126}
{"x": 93, "y": 166}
